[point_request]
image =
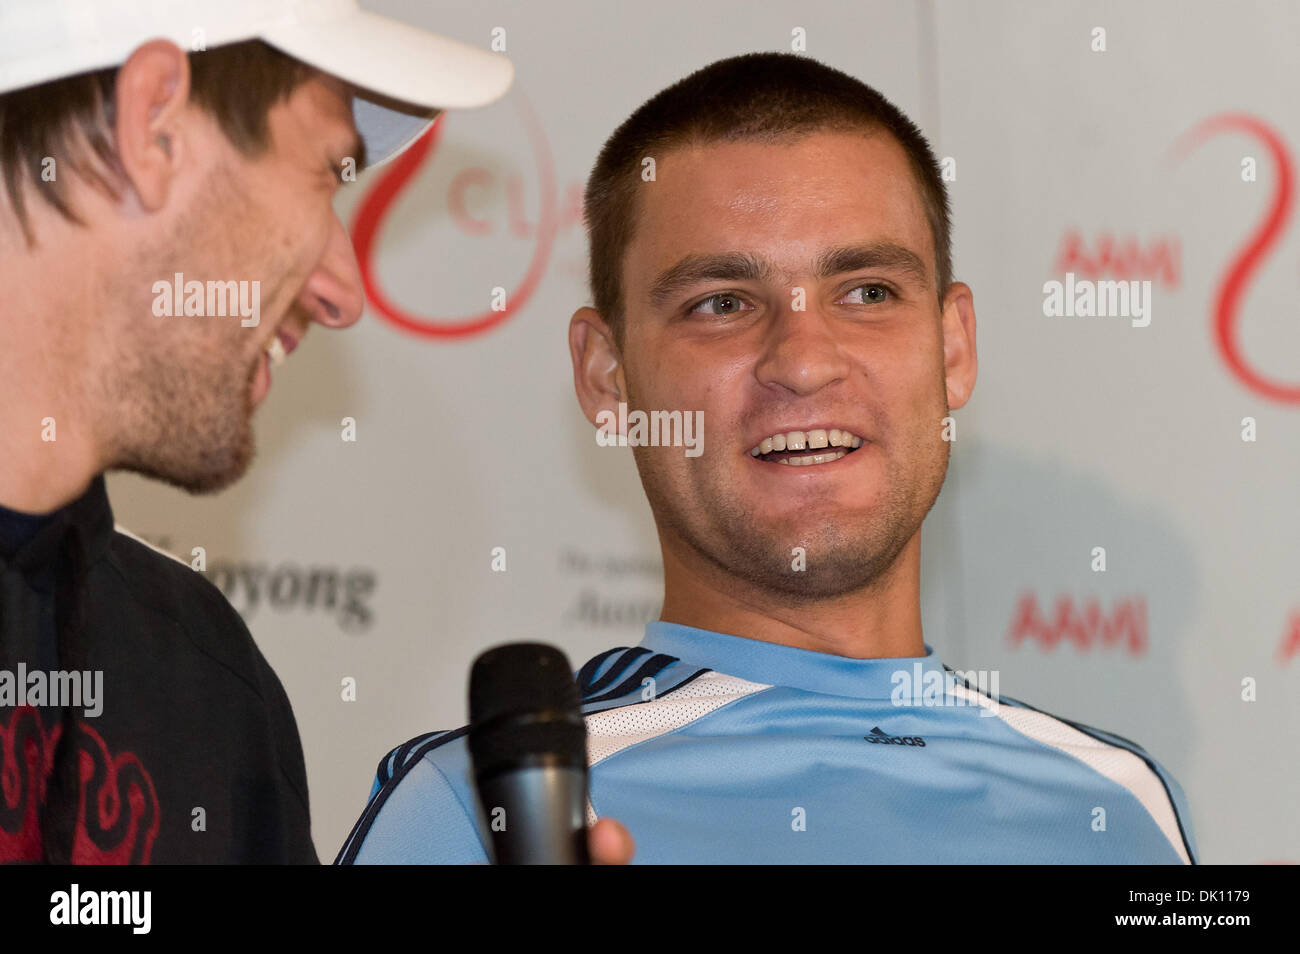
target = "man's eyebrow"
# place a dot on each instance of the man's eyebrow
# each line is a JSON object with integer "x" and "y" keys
{"x": 693, "y": 269}
{"x": 887, "y": 255}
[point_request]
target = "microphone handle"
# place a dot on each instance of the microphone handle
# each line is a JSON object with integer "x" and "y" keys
{"x": 545, "y": 815}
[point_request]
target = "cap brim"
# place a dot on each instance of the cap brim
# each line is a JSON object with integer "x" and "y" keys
{"x": 388, "y": 127}
{"x": 411, "y": 73}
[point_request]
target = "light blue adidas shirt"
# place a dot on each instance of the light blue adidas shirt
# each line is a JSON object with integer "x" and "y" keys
{"x": 719, "y": 749}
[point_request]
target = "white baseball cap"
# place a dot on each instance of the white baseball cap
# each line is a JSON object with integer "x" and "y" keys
{"x": 403, "y": 76}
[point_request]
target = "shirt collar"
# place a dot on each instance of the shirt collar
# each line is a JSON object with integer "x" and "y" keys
{"x": 87, "y": 521}
{"x": 774, "y": 664}
{"x": 16, "y": 528}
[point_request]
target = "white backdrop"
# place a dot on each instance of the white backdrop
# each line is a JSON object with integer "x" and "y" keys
{"x": 372, "y": 559}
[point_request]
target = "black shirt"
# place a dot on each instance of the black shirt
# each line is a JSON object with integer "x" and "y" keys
{"x": 195, "y": 756}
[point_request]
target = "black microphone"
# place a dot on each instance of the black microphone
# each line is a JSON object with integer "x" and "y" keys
{"x": 528, "y": 744}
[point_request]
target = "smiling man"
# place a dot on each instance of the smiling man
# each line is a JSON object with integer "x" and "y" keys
{"x": 785, "y": 270}
{"x": 143, "y": 145}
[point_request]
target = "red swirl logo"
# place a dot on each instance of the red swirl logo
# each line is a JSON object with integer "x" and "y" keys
{"x": 1243, "y": 268}
{"x": 370, "y": 213}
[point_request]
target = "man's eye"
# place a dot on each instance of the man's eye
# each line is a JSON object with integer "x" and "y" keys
{"x": 722, "y": 304}
{"x": 867, "y": 295}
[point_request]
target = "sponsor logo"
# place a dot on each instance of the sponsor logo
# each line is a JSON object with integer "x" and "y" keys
{"x": 291, "y": 587}
{"x": 879, "y": 736}
{"x": 1086, "y": 626}
{"x": 1253, "y": 250}
{"x": 501, "y": 197}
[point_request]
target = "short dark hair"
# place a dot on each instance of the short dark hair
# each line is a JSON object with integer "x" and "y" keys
{"x": 766, "y": 97}
{"x": 72, "y": 119}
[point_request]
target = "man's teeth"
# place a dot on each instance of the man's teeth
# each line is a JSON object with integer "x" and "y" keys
{"x": 276, "y": 352}
{"x": 813, "y": 459}
{"x": 807, "y": 440}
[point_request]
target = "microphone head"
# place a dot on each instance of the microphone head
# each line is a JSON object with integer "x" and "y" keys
{"x": 524, "y": 710}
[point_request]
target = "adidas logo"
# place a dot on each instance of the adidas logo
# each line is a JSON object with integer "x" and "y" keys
{"x": 880, "y": 737}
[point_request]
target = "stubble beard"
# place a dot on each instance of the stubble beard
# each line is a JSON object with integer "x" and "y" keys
{"x": 191, "y": 422}
{"x": 177, "y": 400}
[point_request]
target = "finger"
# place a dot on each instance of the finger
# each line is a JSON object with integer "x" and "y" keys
{"x": 609, "y": 843}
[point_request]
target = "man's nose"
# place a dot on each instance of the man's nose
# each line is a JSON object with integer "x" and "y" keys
{"x": 801, "y": 353}
{"x": 334, "y": 294}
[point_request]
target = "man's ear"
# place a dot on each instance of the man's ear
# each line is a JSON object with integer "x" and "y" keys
{"x": 960, "y": 364}
{"x": 152, "y": 91}
{"x": 598, "y": 376}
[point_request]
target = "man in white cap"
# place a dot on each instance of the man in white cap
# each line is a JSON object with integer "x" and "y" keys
{"x": 167, "y": 234}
